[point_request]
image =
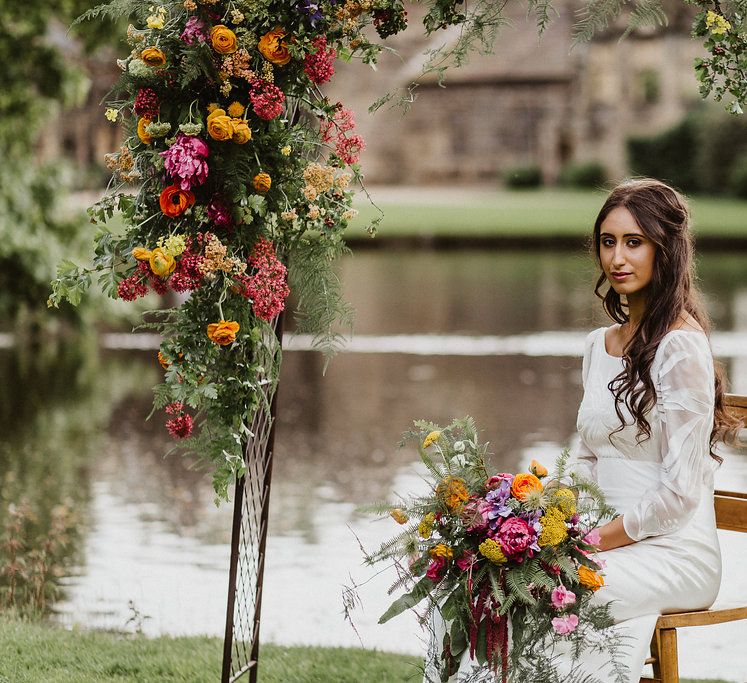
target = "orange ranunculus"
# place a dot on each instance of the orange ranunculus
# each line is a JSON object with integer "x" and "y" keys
{"x": 273, "y": 48}
{"x": 161, "y": 262}
{"x": 241, "y": 131}
{"x": 153, "y": 56}
{"x": 145, "y": 138}
{"x": 219, "y": 125}
{"x": 398, "y": 516}
{"x": 174, "y": 201}
{"x": 163, "y": 361}
{"x": 537, "y": 469}
{"x": 223, "y": 332}
{"x": 589, "y": 579}
{"x": 141, "y": 254}
{"x": 523, "y": 484}
{"x": 223, "y": 39}
{"x": 262, "y": 182}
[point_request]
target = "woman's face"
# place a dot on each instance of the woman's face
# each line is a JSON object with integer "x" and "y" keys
{"x": 626, "y": 254}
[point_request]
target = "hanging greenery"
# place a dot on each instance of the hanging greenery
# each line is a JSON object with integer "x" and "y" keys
{"x": 235, "y": 166}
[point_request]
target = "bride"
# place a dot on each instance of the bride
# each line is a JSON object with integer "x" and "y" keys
{"x": 651, "y": 414}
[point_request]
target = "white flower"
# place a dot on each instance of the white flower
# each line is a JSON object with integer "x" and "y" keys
{"x": 459, "y": 446}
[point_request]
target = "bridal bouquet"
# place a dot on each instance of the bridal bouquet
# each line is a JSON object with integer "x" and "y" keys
{"x": 491, "y": 552}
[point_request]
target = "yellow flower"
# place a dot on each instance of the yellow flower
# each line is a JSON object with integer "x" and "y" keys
{"x": 716, "y": 23}
{"x": 453, "y": 491}
{"x": 152, "y": 56}
{"x": 173, "y": 244}
{"x": 566, "y": 501}
{"x": 141, "y": 253}
{"x": 235, "y": 110}
{"x": 223, "y": 333}
{"x": 425, "y": 528}
{"x": 241, "y": 132}
{"x": 111, "y": 114}
{"x": 143, "y": 134}
{"x": 163, "y": 361}
{"x": 493, "y": 551}
{"x": 524, "y": 483}
{"x": 219, "y": 125}
{"x": 398, "y": 516}
{"x": 431, "y": 439}
{"x": 441, "y": 550}
{"x": 155, "y": 21}
{"x": 285, "y": 151}
{"x": 262, "y": 182}
{"x": 212, "y": 107}
{"x": 161, "y": 263}
{"x": 589, "y": 579}
{"x": 554, "y": 530}
{"x": 537, "y": 469}
{"x": 223, "y": 39}
{"x": 273, "y": 48}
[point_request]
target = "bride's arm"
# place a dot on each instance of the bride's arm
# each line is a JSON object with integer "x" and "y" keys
{"x": 685, "y": 397}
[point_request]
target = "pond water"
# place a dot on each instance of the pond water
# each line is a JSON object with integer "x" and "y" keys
{"x": 510, "y": 331}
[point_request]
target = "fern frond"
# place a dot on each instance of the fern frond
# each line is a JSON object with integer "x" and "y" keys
{"x": 645, "y": 13}
{"x": 595, "y": 15}
{"x": 116, "y": 9}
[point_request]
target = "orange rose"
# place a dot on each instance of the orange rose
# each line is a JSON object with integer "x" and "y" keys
{"x": 273, "y": 48}
{"x": 537, "y": 469}
{"x": 174, "y": 201}
{"x": 262, "y": 182}
{"x": 142, "y": 133}
{"x": 161, "y": 262}
{"x": 523, "y": 484}
{"x": 241, "y": 131}
{"x": 589, "y": 578}
{"x": 223, "y": 332}
{"x": 152, "y": 56}
{"x": 223, "y": 39}
{"x": 220, "y": 126}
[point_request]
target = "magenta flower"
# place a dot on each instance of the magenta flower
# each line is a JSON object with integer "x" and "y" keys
{"x": 436, "y": 568}
{"x": 495, "y": 481}
{"x": 185, "y": 161}
{"x": 475, "y": 514}
{"x": 593, "y": 538}
{"x": 466, "y": 561}
{"x": 565, "y": 625}
{"x": 515, "y": 537}
{"x": 194, "y": 31}
{"x": 561, "y": 598}
{"x": 219, "y": 212}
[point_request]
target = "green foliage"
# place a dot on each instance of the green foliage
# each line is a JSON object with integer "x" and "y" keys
{"x": 591, "y": 174}
{"x": 522, "y": 177}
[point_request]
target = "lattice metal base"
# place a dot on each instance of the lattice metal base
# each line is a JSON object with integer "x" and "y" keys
{"x": 249, "y": 534}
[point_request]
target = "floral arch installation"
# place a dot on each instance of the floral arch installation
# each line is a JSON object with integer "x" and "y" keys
{"x": 234, "y": 184}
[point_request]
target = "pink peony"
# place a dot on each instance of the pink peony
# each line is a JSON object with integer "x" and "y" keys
{"x": 436, "y": 568}
{"x": 561, "y": 598}
{"x": 565, "y": 625}
{"x": 515, "y": 537}
{"x": 495, "y": 481}
{"x": 185, "y": 161}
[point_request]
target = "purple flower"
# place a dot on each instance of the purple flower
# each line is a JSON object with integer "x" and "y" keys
{"x": 185, "y": 161}
{"x": 497, "y": 501}
{"x": 194, "y": 31}
{"x": 561, "y": 598}
{"x": 219, "y": 212}
{"x": 311, "y": 10}
{"x": 564, "y": 625}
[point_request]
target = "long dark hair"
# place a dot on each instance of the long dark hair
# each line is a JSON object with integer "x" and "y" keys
{"x": 663, "y": 216}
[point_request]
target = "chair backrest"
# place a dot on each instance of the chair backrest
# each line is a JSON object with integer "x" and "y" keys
{"x": 731, "y": 506}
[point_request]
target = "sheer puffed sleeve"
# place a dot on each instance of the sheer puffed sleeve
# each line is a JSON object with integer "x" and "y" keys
{"x": 582, "y": 460}
{"x": 684, "y": 399}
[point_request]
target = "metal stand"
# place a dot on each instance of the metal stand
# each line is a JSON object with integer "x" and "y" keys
{"x": 249, "y": 535}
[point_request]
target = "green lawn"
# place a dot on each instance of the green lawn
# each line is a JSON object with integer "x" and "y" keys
{"x": 538, "y": 213}
{"x": 33, "y": 652}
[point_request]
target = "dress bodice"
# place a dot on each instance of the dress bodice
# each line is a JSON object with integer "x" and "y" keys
{"x": 657, "y": 481}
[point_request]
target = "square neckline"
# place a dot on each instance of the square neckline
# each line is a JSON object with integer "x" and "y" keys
{"x": 610, "y": 355}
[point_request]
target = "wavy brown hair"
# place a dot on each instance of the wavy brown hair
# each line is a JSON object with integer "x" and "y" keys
{"x": 663, "y": 215}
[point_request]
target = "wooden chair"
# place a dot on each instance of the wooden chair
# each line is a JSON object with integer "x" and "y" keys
{"x": 731, "y": 514}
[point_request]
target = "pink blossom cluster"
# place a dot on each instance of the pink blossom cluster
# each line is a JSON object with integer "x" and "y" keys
{"x": 187, "y": 276}
{"x": 347, "y": 147}
{"x": 181, "y": 424}
{"x": 319, "y": 65}
{"x": 136, "y": 285}
{"x": 185, "y": 161}
{"x": 194, "y": 31}
{"x": 267, "y": 99}
{"x": 147, "y": 103}
{"x": 268, "y": 287}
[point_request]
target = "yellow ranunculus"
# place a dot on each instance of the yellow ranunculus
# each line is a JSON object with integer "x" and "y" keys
{"x": 523, "y": 483}
{"x": 219, "y": 125}
{"x": 223, "y": 39}
{"x": 442, "y": 550}
{"x": 241, "y": 132}
{"x": 223, "y": 333}
{"x": 161, "y": 263}
{"x": 398, "y": 516}
{"x": 589, "y": 578}
{"x": 537, "y": 469}
{"x": 141, "y": 253}
{"x": 273, "y": 48}
{"x": 153, "y": 56}
{"x": 143, "y": 134}
{"x": 262, "y": 182}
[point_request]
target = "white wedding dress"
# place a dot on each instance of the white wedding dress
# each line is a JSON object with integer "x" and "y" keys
{"x": 662, "y": 486}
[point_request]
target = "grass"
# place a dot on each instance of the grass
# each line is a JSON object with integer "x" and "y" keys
{"x": 534, "y": 213}
{"x": 35, "y": 652}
